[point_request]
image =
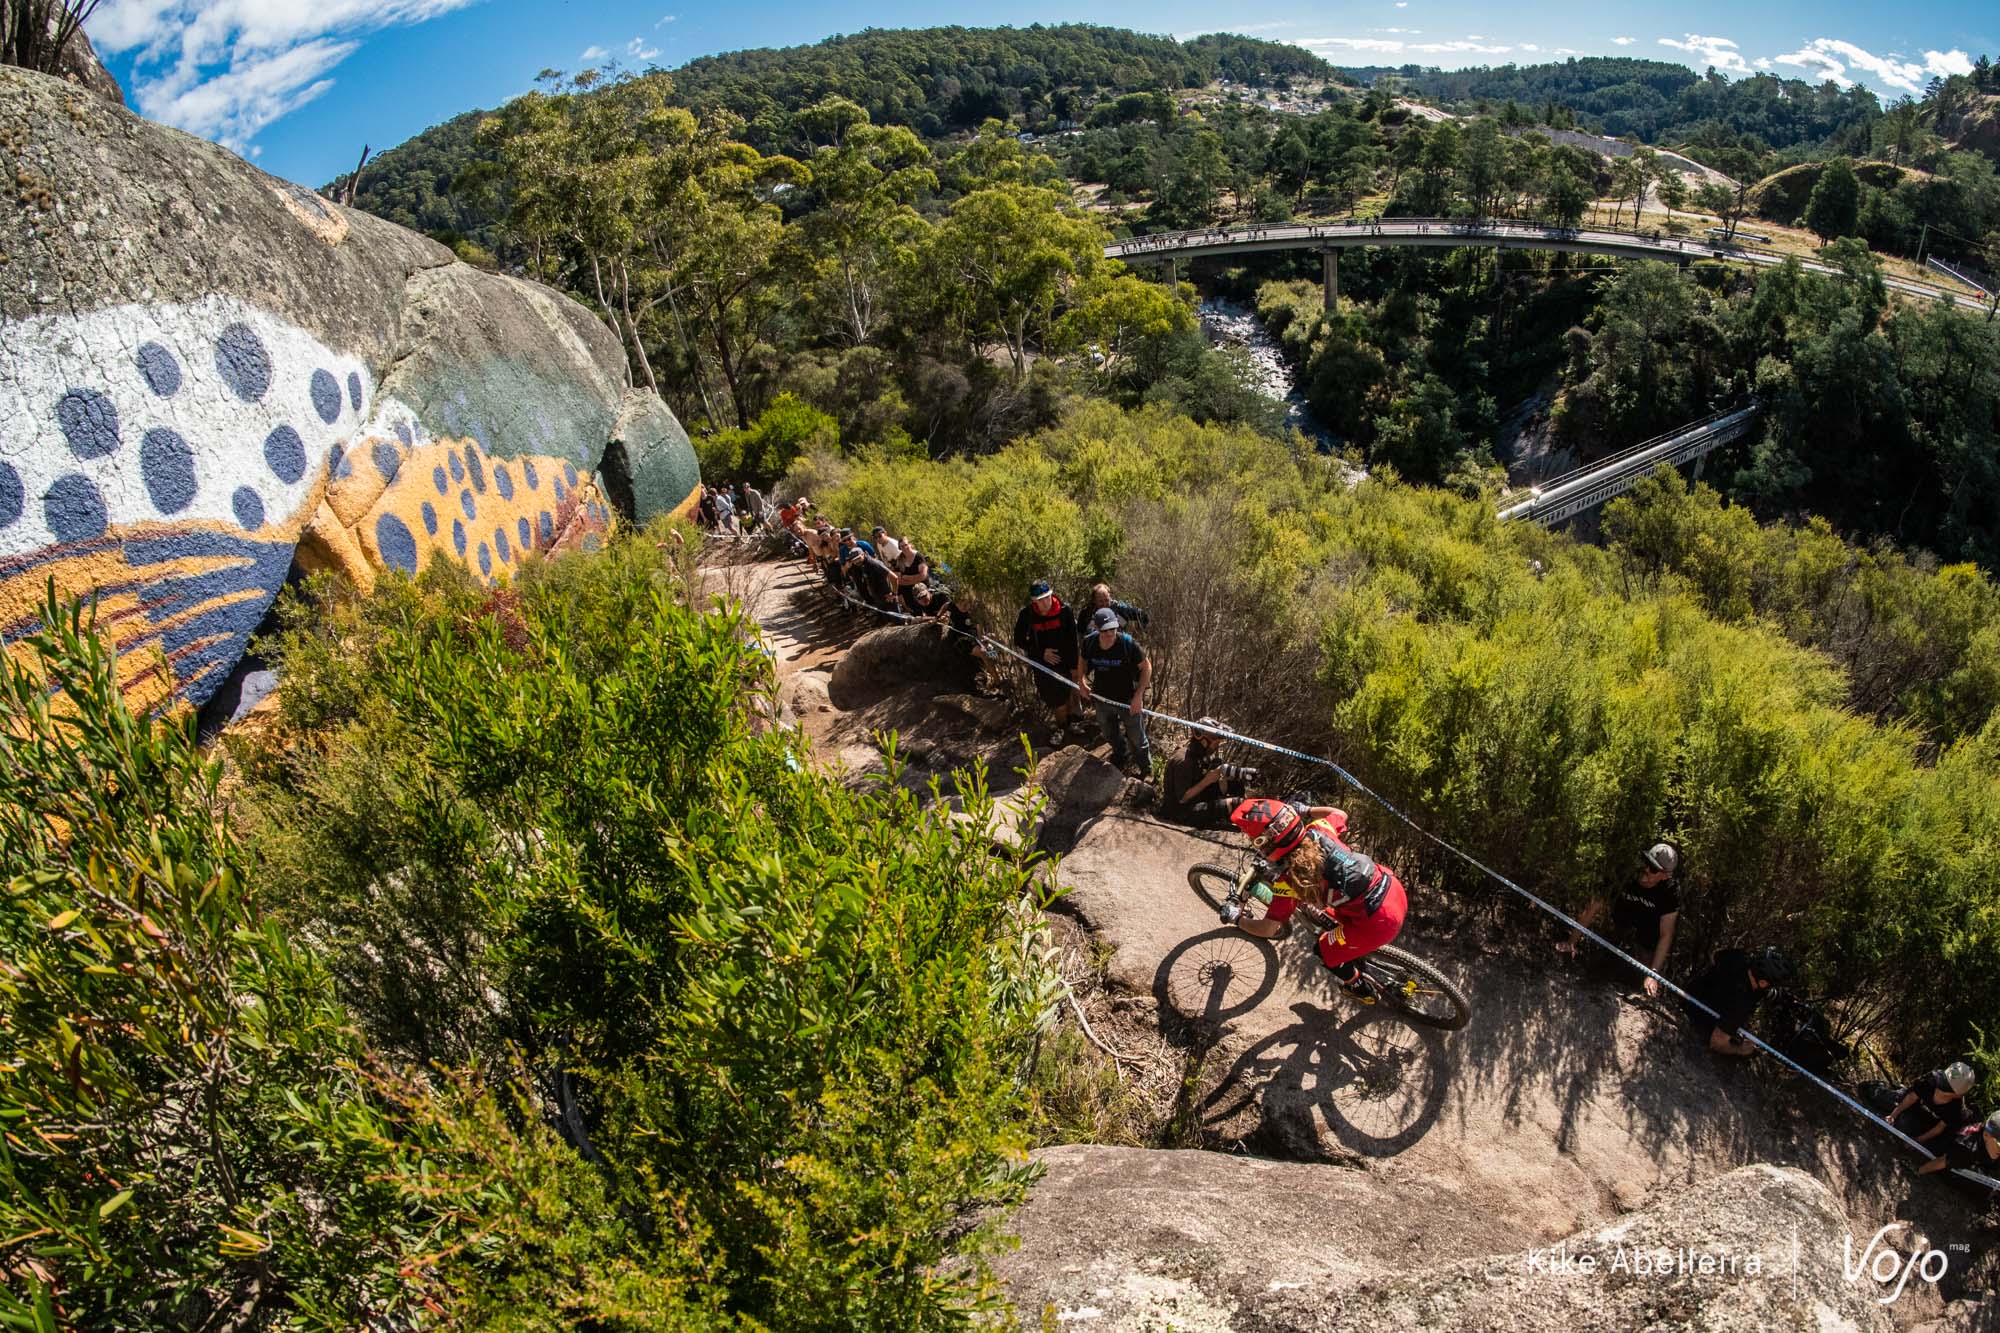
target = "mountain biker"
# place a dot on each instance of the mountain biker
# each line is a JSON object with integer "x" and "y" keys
{"x": 1733, "y": 987}
{"x": 1302, "y": 848}
{"x": 1935, "y": 1103}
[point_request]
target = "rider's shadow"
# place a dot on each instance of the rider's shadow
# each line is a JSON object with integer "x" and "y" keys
{"x": 1376, "y": 1082}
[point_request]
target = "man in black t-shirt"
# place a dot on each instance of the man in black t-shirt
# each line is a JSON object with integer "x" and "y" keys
{"x": 1733, "y": 987}
{"x": 1974, "y": 1148}
{"x": 1113, "y": 667}
{"x": 1935, "y": 1103}
{"x": 1645, "y": 912}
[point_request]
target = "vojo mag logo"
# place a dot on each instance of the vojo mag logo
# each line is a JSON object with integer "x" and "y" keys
{"x": 1887, "y": 1267}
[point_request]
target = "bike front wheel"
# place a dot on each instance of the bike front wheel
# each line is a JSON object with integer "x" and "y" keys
{"x": 1417, "y": 990}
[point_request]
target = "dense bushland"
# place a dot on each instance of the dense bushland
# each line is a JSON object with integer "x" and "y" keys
{"x": 1551, "y": 724}
{"x": 523, "y": 978}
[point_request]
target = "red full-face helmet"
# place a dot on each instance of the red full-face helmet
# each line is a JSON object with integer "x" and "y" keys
{"x": 1273, "y": 827}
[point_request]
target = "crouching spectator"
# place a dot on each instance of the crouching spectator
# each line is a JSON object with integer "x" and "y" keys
{"x": 1733, "y": 987}
{"x": 1974, "y": 1148}
{"x": 1200, "y": 789}
{"x": 1128, "y": 614}
{"x": 1114, "y": 670}
{"x": 1935, "y": 1104}
{"x": 870, "y": 579}
{"x": 931, "y": 604}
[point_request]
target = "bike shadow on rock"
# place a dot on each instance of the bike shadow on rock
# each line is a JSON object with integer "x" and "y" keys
{"x": 1216, "y": 976}
{"x": 1374, "y": 1081}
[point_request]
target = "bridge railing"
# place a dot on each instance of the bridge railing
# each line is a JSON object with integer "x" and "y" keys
{"x": 1624, "y": 455}
{"x": 1573, "y": 492}
{"x": 1654, "y": 237}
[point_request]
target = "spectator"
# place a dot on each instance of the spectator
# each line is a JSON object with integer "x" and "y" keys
{"x": 1045, "y": 632}
{"x": 863, "y": 543}
{"x": 1128, "y": 614}
{"x": 822, "y": 545}
{"x": 1733, "y": 987}
{"x": 1119, "y": 671}
{"x": 725, "y": 511}
{"x": 1974, "y": 1148}
{"x": 1646, "y": 913}
{"x": 1934, "y": 1104}
{"x": 749, "y": 506}
{"x": 887, "y": 549}
{"x": 704, "y": 506}
{"x": 913, "y": 571}
{"x": 958, "y": 628}
{"x": 1200, "y": 790}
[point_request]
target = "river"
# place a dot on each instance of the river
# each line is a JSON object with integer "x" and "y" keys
{"x": 1232, "y": 324}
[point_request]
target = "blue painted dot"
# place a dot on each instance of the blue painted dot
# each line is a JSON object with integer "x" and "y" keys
{"x": 476, "y": 468}
{"x": 354, "y": 389}
{"x": 501, "y": 544}
{"x": 438, "y": 479}
{"x": 545, "y": 528}
{"x": 526, "y": 534}
{"x": 404, "y": 434}
{"x": 159, "y": 369}
{"x": 465, "y": 503}
{"x": 326, "y": 396}
{"x": 12, "y": 495}
{"x": 339, "y": 464}
{"x": 485, "y": 560}
{"x": 457, "y": 468}
{"x": 590, "y": 543}
{"x": 285, "y": 452}
{"x": 502, "y": 482}
{"x": 560, "y": 492}
{"x": 166, "y": 465}
{"x": 242, "y": 362}
{"x": 74, "y": 510}
{"x": 528, "y": 471}
{"x": 249, "y": 507}
{"x": 569, "y": 474}
{"x": 89, "y": 422}
{"x": 458, "y": 538}
{"x": 430, "y": 519}
{"x": 398, "y": 547}
{"x": 387, "y": 461}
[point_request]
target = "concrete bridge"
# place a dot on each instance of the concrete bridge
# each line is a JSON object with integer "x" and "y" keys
{"x": 1330, "y": 238}
{"x": 1552, "y": 502}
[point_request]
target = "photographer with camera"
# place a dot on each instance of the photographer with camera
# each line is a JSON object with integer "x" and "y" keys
{"x": 1200, "y": 790}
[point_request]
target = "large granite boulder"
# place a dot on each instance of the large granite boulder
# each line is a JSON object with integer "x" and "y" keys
{"x": 211, "y": 374}
{"x": 1130, "y": 1238}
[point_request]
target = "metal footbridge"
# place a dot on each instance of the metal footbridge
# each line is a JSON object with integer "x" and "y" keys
{"x": 1566, "y": 496}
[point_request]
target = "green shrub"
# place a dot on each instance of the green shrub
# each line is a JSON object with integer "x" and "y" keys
{"x": 786, "y": 1022}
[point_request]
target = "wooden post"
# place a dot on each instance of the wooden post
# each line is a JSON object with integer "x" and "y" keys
{"x": 1330, "y": 278}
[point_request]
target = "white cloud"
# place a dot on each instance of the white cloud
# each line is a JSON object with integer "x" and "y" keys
{"x": 665, "y": 19}
{"x": 1387, "y": 45}
{"x": 593, "y": 52}
{"x": 638, "y": 50}
{"x": 1623, "y": 41}
{"x": 1529, "y": 46}
{"x": 1719, "y": 52}
{"x": 1818, "y": 62}
{"x": 1394, "y": 46}
{"x": 225, "y": 69}
{"x": 1762, "y": 62}
{"x": 1402, "y": 4}
{"x": 1567, "y": 51}
{"x": 1947, "y": 63}
{"x": 1474, "y": 37}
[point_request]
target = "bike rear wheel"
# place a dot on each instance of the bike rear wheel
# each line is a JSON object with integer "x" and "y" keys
{"x": 1417, "y": 990}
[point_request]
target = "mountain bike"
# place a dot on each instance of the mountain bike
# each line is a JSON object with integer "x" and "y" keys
{"x": 1404, "y": 982}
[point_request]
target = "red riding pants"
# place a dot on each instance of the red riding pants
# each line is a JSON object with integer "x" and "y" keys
{"x": 1363, "y": 933}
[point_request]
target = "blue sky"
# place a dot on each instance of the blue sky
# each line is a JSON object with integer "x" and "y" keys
{"x": 298, "y": 86}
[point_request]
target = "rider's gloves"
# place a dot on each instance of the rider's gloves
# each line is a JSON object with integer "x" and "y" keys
{"x": 1232, "y": 912}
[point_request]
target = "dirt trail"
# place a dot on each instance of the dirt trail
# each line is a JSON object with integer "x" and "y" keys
{"x": 1564, "y": 1104}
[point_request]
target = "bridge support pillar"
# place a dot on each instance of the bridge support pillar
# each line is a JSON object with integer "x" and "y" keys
{"x": 1174, "y": 275}
{"x": 1700, "y": 462}
{"x": 1330, "y": 279}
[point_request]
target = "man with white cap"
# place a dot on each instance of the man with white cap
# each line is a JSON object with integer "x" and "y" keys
{"x": 1935, "y": 1103}
{"x": 1646, "y": 911}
